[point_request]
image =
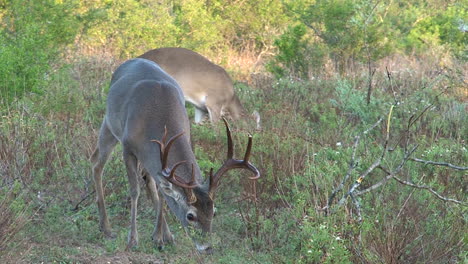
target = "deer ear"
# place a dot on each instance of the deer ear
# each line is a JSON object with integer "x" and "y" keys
{"x": 167, "y": 188}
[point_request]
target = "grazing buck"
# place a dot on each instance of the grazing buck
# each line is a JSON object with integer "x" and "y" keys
{"x": 145, "y": 106}
{"x": 205, "y": 85}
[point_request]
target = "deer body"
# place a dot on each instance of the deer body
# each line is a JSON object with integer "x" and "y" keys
{"x": 205, "y": 85}
{"x": 145, "y": 104}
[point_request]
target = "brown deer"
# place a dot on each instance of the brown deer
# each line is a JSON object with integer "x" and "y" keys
{"x": 205, "y": 85}
{"x": 144, "y": 107}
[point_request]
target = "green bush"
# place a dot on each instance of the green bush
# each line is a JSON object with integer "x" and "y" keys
{"x": 447, "y": 27}
{"x": 31, "y": 39}
{"x": 295, "y": 57}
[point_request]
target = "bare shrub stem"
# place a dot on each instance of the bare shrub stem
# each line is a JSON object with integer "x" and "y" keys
{"x": 446, "y": 164}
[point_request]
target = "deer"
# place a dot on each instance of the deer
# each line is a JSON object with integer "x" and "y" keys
{"x": 206, "y": 85}
{"x": 146, "y": 113}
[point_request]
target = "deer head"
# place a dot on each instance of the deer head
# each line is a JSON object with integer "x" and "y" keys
{"x": 192, "y": 201}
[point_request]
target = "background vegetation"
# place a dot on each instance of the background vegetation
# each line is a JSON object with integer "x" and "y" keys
{"x": 321, "y": 73}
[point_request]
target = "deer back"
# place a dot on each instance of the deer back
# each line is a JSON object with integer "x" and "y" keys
{"x": 143, "y": 100}
{"x": 198, "y": 77}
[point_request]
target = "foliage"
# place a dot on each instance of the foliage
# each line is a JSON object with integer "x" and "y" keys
{"x": 250, "y": 23}
{"x": 349, "y": 29}
{"x": 131, "y": 27}
{"x": 349, "y": 32}
{"x": 14, "y": 214}
{"x": 31, "y": 38}
{"x": 309, "y": 119}
{"x": 295, "y": 56}
{"x": 447, "y": 27}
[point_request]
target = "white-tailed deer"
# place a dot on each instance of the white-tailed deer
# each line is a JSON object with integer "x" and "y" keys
{"x": 145, "y": 106}
{"x": 205, "y": 85}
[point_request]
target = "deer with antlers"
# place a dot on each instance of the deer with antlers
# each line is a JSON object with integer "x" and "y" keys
{"x": 144, "y": 106}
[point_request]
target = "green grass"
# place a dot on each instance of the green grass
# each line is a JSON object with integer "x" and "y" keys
{"x": 303, "y": 152}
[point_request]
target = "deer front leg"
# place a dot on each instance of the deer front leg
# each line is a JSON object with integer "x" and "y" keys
{"x": 106, "y": 143}
{"x": 199, "y": 115}
{"x": 131, "y": 165}
{"x": 161, "y": 234}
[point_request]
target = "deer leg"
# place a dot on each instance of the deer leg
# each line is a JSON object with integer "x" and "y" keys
{"x": 214, "y": 113}
{"x": 199, "y": 115}
{"x": 161, "y": 234}
{"x": 131, "y": 164}
{"x": 106, "y": 143}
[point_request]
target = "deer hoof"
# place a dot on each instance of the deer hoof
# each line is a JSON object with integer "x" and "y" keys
{"x": 161, "y": 241}
{"x": 132, "y": 243}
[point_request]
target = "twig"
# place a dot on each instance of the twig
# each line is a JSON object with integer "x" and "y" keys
{"x": 429, "y": 189}
{"x": 389, "y": 174}
{"x": 351, "y": 167}
{"x": 357, "y": 205}
{"x": 77, "y": 206}
{"x": 374, "y": 165}
{"x": 439, "y": 164}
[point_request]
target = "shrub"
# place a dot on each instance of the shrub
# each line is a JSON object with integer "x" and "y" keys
{"x": 14, "y": 215}
{"x": 31, "y": 39}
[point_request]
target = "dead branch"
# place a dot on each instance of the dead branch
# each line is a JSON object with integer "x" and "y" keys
{"x": 352, "y": 165}
{"x": 429, "y": 189}
{"x": 357, "y": 205}
{"x": 389, "y": 174}
{"x": 446, "y": 164}
{"x": 374, "y": 165}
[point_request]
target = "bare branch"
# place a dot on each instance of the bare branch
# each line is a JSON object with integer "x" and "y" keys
{"x": 373, "y": 126}
{"x": 352, "y": 165}
{"x": 430, "y": 190}
{"x": 439, "y": 164}
{"x": 389, "y": 174}
{"x": 359, "y": 180}
{"x": 374, "y": 165}
{"x": 377, "y": 185}
{"x": 392, "y": 174}
{"x": 357, "y": 205}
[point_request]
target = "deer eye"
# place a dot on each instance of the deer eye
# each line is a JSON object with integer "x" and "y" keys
{"x": 191, "y": 217}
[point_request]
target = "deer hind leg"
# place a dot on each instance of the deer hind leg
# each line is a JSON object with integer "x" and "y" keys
{"x": 106, "y": 143}
{"x": 214, "y": 112}
{"x": 131, "y": 164}
{"x": 161, "y": 234}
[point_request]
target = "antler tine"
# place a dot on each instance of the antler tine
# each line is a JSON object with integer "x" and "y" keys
{"x": 164, "y": 137}
{"x": 169, "y": 174}
{"x": 230, "y": 152}
{"x": 167, "y": 147}
{"x": 246, "y": 160}
{"x": 174, "y": 179}
{"x": 232, "y": 163}
{"x": 162, "y": 146}
{"x": 249, "y": 147}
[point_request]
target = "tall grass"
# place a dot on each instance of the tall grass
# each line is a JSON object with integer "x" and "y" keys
{"x": 303, "y": 151}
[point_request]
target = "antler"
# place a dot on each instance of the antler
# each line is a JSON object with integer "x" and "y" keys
{"x": 169, "y": 173}
{"x": 232, "y": 163}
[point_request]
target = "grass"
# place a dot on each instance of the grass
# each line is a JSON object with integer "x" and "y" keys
{"x": 303, "y": 151}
